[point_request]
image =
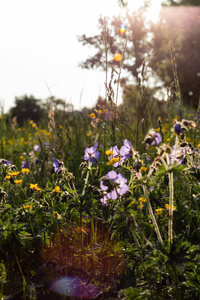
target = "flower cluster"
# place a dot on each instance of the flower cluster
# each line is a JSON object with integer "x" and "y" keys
{"x": 35, "y": 187}
{"x": 114, "y": 185}
{"x": 116, "y": 156}
{"x": 179, "y": 127}
{"x": 179, "y": 154}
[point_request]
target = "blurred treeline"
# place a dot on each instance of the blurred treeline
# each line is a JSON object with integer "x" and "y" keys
{"x": 157, "y": 59}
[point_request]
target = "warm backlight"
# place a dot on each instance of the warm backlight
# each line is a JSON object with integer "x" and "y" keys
{"x": 117, "y": 57}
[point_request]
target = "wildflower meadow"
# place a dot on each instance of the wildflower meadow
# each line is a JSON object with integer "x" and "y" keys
{"x": 102, "y": 203}
{"x": 88, "y": 213}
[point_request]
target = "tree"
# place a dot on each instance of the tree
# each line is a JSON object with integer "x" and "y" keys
{"x": 108, "y": 42}
{"x": 180, "y": 26}
{"x": 135, "y": 47}
{"x": 181, "y": 2}
{"x": 177, "y": 25}
{"x": 27, "y": 108}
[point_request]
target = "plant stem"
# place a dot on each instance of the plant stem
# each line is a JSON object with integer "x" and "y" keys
{"x": 24, "y": 280}
{"x": 83, "y": 193}
{"x": 171, "y": 200}
{"x": 87, "y": 177}
{"x": 152, "y": 215}
{"x": 141, "y": 257}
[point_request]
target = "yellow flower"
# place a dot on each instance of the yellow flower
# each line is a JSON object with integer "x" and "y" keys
{"x": 18, "y": 181}
{"x": 142, "y": 200}
{"x": 13, "y": 174}
{"x": 108, "y": 152}
{"x": 25, "y": 171}
{"x": 143, "y": 169}
{"x": 35, "y": 187}
{"x": 57, "y": 189}
{"x": 167, "y": 207}
{"x": 158, "y": 211}
{"x": 26, "y": 207}
{"x": 34, "y": 125}
{"x": 31, "y": 122}
{"x": 113, "y": 161}
{"x": 57, "y": 215}
{"x": 92, "y": 115}
{"x": 7, "y": 177}
{"x": 140, "y": 206}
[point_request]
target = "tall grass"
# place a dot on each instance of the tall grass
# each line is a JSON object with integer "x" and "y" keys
{"x": 123, "y": 226}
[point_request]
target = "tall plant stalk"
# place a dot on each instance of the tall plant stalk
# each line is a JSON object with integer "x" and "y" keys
{"x": 82, "y": 194}
{"x": 176, "y": 81}
{"x": 171, "y": 200}
{"x": 152, "y": 215}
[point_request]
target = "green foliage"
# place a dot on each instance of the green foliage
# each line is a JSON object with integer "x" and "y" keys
{"x": 53, "y": 224}
{"x": 27, "y": 108}
{"x": 124, "y": 223}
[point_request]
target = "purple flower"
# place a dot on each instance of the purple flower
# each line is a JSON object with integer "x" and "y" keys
{"x": 152, "y": 137}
{"x": 57, "y": 164}
{"x": 148, "y": 158}
{"x": 114, "y": 184}
{"x": 115, "y": 154}
{"x": 47, "y": 145}
{"x": 36, "y": 147}
{"x": 108, "y": 114}
{"x": 156, "y": 139}
{"x": 25, "y": 164}
{"x": 177, "y": 128}
{"x": 4, "y": 162}
{"x": 91, "y": 154}
{"x": 127, "y": 150}
{"x": 178, "y": 154}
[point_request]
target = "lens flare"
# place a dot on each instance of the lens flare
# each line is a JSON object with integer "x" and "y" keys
{"x": 82, "y": 229}
{"x": 123, "y": 28}
{"x": 117, "y": 57}
{"x": 74, "y": 287}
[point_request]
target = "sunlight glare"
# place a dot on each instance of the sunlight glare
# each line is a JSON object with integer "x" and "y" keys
{"x": 153, "y": 8}
{"x": 123, "y": 28}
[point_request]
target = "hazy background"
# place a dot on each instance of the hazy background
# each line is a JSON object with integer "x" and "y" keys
{"x": 40, "y": 53}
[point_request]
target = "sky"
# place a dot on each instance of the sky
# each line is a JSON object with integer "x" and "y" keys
{"x": 40, "y": 52}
